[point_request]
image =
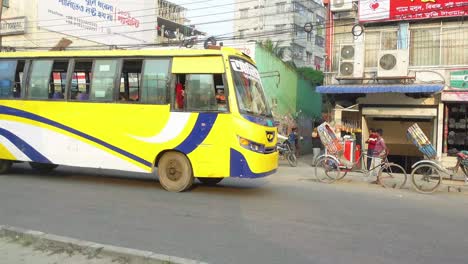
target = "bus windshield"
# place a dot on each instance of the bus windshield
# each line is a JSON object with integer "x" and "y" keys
{"x": 249, "y": 90}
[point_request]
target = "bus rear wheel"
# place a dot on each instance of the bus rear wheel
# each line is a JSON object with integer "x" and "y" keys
{"x": 175, "y": 172}
{"x": 210, "y": 181}
{"x": 43, "y": 167}
{"x": 5, "y": 165}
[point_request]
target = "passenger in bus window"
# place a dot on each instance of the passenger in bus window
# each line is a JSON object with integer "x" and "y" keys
{"x": 221, "y": 99}
{"x": 180, "y": 93}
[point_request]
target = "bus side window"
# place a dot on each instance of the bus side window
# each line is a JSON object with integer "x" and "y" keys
{"x": 58, "y": 80}
{"x": 7, "y": 78}
{"x": 17, "y": 89}
{"x": 221, "y": 95}
{"x": 103, "y": 79}
{"x": 178, "y": 94}
{"x": 81, "y": 80}
{"x": 130, "y": 80}
{"x": 38, "y": 86}
{"x": 200, "y": 93}
{"x": 155, "y": 81}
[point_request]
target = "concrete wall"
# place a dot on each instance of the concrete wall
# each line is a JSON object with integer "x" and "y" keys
{"x": 292, "y": 95}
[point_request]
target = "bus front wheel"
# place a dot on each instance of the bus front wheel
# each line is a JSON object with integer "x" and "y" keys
{"x": 210, "y": 181}
{"x": 5, "y": 165}
{"x": 175, "y": 172}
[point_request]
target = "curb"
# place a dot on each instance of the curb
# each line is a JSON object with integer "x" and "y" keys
{"x": 43, "y": 241}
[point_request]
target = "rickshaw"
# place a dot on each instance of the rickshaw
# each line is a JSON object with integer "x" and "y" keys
{"x": 333, "y": 166}
{"x": 428, "y": 174}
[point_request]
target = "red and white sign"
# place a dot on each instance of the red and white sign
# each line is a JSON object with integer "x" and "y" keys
{"x": 385, "y": 10}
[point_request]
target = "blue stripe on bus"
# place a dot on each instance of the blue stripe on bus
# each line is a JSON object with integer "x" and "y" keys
{"x": 20, "y": 113}
{"x": 200, "y": 131}
{"x": 24, "y": 147}
{"x": 239, "y": 167}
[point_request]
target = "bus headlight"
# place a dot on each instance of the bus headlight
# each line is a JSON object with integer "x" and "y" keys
{"x": 250, "y": 145}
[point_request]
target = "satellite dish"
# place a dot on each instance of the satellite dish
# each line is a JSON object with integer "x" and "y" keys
{"x": 347, "y": 52}
{"x": 387, "y": 61}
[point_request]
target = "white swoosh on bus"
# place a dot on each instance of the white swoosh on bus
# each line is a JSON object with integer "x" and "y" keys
{"x": 173, "y": 128}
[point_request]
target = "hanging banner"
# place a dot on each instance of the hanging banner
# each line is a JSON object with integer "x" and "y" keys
{"x": 386, "y": 10}
{"x": 110, "y": 22}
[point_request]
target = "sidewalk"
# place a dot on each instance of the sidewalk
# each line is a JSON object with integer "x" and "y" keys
{"x": 14, "y": 251}
{"x": 19, "y": 246}
{"x": 306, "y": 169}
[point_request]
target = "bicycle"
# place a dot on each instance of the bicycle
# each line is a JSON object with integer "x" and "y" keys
{"x": 286, "y": 152}
{"x": 329, "y": 168}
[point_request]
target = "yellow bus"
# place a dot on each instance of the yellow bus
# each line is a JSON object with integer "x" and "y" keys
{"x": 187, "y": 113}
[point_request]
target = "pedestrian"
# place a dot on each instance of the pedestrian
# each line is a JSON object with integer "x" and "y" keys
{"x": 316, "y": 145}
{"x": 380, "y": 152}
{"x": 293, "y": 140}
{"x": 370, "y": 147}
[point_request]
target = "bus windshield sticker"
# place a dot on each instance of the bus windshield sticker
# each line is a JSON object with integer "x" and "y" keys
{"x": 245, "y": 68}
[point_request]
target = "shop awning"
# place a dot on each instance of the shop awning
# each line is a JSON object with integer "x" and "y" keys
{"x": 413, "y": 88}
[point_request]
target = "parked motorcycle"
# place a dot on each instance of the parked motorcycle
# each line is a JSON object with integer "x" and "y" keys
{"x": 286, "y": 151}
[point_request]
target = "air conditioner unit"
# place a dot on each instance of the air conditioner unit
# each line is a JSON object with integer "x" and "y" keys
{"x": 349, "y": 65}
{"x": 341, "y": 5}
{"x": 392, "y": 63}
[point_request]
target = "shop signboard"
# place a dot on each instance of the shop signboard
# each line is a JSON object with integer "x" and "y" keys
{"x": 13, "y": 26}
{"x": 109, "y": 22}
{"x": 391, "y": 10}
{"x": 459, "y": 79}
{"x": 455, "y": 96}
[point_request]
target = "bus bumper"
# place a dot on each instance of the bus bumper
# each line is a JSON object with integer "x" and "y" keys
{"x": 265, "y": 163}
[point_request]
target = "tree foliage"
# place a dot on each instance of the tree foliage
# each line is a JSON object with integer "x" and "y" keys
{"x": 316, "y": 77}
{"x": 273, "y": 47}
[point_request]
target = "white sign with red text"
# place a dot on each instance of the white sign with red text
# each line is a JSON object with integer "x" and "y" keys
{"x": 110, "y": 22}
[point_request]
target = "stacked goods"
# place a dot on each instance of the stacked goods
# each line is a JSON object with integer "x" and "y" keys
{"x": 462, "y": 109}
{"x": 452, "y": 123}
{"x": 329, "y": 139}
{"x": 419, "y": 139}
{"x": 451, "y": 138}
{"x": 459, "y": 139}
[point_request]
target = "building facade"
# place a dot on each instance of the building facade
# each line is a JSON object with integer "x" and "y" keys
{"x": 91, "y": 24}
{"x": 394, "y": 63}
{"x": 283, "y": 22}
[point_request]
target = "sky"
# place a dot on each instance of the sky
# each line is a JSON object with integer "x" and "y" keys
{"x": 207, "y": 11}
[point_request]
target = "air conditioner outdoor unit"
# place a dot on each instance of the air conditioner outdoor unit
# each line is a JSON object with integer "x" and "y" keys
{"x": 341, "y": 5}
{"x": 349, "y": 66}
{"x": 393, "y": 63}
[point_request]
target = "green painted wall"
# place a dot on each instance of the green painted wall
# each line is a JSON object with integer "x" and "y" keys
{"x": 295, "y": 96}
{"x": 284, "y": 92}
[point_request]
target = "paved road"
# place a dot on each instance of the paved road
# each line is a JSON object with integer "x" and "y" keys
{"x": 286, "y": 218}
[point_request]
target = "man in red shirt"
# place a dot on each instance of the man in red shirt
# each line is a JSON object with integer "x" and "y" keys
{"x": 370, "y": 146}
{"x": 180, "y": 96}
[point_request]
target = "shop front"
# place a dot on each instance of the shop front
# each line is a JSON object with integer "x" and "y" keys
{"x": 394, "y": 108}
{"x": 455, "y": 121}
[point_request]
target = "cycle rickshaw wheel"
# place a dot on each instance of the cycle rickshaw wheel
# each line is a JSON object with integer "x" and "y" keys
{"x": 426, "y": 178}
{"x": 327, "y": 170}
{"x": 392, "y": 175}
